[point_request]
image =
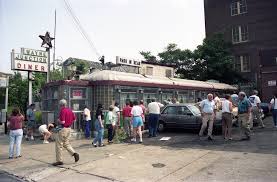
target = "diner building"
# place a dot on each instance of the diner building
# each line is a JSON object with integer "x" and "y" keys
{"x": 108, "y": 86}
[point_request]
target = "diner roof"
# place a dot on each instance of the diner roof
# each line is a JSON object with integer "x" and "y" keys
{"x": 138, "y": 79}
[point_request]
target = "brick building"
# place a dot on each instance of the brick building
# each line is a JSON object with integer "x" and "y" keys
{"x": 252, "y": 28}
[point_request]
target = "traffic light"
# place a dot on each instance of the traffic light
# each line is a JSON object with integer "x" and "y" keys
{"x": 102, "y": 60}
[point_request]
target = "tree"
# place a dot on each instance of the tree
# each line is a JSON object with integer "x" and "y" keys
{"x": 148, "y": 56}
{"x": 215, "y": 60}
{"x": 82, "y": 66}
{"x": 18, "y": 91}
{"x": 182, "y": 60}
{"x": 211, "y": 60}
{"x": 39, "y": 80}
{"x": 56, "y": 75}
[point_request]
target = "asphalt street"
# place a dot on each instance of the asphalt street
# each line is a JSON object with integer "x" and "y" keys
{"x": 5, "y": 177}
{"x": 182, "y": 158}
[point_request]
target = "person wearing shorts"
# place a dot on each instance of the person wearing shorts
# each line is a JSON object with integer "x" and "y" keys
{"x": 137, "y": 122}
{"x": 31, "y": 124}
{"x": 45, "y": 131}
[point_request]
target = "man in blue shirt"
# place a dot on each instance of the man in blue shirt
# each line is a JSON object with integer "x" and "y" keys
{"x": 244, "y": 109}
{"x": 207, "y": 108}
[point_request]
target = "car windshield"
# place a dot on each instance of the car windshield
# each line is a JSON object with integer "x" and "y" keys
{"x": 194, "y": 109}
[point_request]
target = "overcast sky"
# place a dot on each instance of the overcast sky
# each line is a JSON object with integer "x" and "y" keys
{"x": 116, "y": 27}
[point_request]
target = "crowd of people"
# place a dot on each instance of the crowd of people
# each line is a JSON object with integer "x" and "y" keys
{"x": 248, "y": 109}
{"x": 133, "y": 114}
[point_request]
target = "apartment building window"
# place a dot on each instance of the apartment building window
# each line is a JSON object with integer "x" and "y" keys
{"x": 242, "y": 63}
{"x": 149, "y": 70}
{"x": 240, "y": 34}
{"x": 238, "y": 7}
{"x": 168, "y": 73}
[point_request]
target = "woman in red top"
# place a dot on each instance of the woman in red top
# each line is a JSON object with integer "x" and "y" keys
{"x": 16, "y": 133}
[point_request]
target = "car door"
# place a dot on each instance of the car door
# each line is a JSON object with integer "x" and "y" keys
{"x": 185, "y": 118}
{"x": 169, "y": 116}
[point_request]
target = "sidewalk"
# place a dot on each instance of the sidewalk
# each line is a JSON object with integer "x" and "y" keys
{"x": 182, "y": 158}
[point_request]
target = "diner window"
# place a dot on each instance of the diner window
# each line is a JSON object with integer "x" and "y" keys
{"x": 168, "y": 73}
{"x": 147, "y": 97}
{"x": 240, "y": 34}
{"x": 238, "y": 7}
{"x": 149, "y": 70}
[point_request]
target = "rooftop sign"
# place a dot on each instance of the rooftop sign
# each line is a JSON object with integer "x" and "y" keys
{"x": 128, "y": 61}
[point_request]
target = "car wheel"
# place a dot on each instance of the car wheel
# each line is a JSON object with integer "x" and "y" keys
{"x": 161, "y": 126}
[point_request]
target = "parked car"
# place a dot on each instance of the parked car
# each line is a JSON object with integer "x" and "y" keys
{"x": 185, "y": 116}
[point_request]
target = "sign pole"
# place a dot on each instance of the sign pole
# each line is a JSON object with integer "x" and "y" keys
{"x": 48, "y": 69}
{"x": 6, "y": 103}
{"x": 30, "y": 87}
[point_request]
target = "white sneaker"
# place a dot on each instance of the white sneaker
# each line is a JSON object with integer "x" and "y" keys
{"x": 133, "y": 140}
{"x": 45, "y": 142}
{"x": 32, "y": 138}
{"x": 276, "y": 126}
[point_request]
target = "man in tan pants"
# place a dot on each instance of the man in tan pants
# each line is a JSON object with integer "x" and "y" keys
{"x": 66, "y": 119}
{"x": 207, "y": 108}
{"x": 244, "y": 109}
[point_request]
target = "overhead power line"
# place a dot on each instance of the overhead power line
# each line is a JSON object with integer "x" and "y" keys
{"x": 80, "y": 27}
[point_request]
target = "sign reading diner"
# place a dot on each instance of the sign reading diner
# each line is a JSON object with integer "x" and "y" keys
{"x": 127, "y": 61}
{"x": 30, "y": 60}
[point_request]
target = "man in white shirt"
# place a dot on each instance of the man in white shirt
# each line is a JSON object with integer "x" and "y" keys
{"x": 207, "y": 108}
{"x": 116, "y": 115}
{"x": 256, "y": 109}
{"x": 227, "y": 108}
{"x": 116, "y": 112}
{"x": 87, "y": 121}
{"x": 154, "y": 110}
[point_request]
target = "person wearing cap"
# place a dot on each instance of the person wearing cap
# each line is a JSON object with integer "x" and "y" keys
{"x": 244, "y": 109}
{"x": 256, "y": 109}
{"x": 66, "y": 119}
